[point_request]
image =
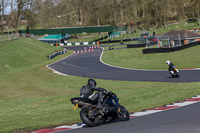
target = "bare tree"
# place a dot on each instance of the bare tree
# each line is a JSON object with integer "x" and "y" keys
{"x": 60, "y": 13}
{"x": 20, "y": 6}
{"x": 3, "y": 5}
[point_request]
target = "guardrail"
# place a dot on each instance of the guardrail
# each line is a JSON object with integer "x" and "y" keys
{"x": 116, "y": 41}
{"x": 136, "y": 45}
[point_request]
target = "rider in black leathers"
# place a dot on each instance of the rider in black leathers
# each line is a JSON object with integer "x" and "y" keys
{"x": 171, "y": 65}
{"x": 88, "y": 91}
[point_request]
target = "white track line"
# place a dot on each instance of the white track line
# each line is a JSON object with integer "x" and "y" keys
{"x": 56, "y": 72}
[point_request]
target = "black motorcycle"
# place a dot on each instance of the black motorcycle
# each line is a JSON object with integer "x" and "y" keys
{"x": 93, "y": 115}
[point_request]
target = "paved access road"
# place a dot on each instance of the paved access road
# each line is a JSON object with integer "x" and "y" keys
{"x": 89, "y": 65}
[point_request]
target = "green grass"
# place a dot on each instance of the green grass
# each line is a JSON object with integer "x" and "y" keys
{"x": 32, "y": 97}
{"x": 134, "y": 58}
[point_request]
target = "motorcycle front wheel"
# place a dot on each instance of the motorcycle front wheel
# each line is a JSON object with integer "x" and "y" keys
{"x": 88, "y": 118}
{"x": 123, "y": 114}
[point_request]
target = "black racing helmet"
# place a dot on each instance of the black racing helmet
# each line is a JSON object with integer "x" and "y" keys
{"x": 91, "y": 82}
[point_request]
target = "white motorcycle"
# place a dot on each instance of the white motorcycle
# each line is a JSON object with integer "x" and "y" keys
{"x": 175, "y": 73}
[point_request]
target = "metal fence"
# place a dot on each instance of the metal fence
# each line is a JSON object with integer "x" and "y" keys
{"x": 170, "y": 41}
{"x": 9, "y": 37}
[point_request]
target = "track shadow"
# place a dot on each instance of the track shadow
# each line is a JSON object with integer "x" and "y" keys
{"x": 172, "y": 77}
{"x": 105, "y": 123}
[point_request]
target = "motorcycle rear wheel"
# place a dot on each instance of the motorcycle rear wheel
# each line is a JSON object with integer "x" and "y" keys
{"x": 91, "y": 122}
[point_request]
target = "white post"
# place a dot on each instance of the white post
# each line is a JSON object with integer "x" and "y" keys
{"x": 179, "y": 39}
{"x": 7, "y": 32}
{"x": 168, "y": 42}
{"x": 22, "y": 31}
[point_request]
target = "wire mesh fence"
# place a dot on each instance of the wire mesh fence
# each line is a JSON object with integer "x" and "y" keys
{"x": 10, "y": 37}
{"x": 170, "y": 41}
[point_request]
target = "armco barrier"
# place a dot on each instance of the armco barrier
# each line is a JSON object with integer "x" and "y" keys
{"x": 116, "y": 41}
{"x": 172, "y": 49}
{"x": 136, "y": 45}
{"x": 150, "y": 38}
{"x": 51, "y": 56}
{"x": 75, "y": 44}
{"x": 102, "y": 38}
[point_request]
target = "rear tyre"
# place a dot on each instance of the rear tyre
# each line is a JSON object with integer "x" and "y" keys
{"x": 123, "y": 114}
{"x": 88, "y": 118}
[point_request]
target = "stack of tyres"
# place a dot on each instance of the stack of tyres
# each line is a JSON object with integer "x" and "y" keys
{"x": 51, "y": 56}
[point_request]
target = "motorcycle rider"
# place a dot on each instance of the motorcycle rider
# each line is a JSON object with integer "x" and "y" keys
{"x": 171, "y": 66}
{"x": 88, "y": 91}
{"x": 111, "y": 47}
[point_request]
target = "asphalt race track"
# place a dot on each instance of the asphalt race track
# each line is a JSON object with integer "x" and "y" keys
{"x": 89, "y": 65}
{"x": 179, "y": 120}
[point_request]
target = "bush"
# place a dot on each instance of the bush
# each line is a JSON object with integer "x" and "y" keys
{"x": 192, "y": 20}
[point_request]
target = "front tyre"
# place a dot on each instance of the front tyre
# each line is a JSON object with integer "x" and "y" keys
{"x": 88, "y": 118}
{"x": 123, "y": 114}
{"x": 177, "y": 74}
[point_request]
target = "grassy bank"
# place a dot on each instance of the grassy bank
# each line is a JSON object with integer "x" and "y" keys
{"x": 32, "y": 97}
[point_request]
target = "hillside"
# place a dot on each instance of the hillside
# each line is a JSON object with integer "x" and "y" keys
{"x": 23, "y": 54}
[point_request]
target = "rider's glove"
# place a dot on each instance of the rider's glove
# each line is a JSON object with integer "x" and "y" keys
{"x": 110, "y": 93}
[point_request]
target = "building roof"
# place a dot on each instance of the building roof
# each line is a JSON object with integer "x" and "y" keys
{"x": 176, "y": 34}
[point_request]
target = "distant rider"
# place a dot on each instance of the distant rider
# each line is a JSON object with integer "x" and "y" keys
{"x": 121, "y": 42}
{"x": 88, "y": 91}
{"x": 111, "y": 47}
{"x": 171, "y": 66}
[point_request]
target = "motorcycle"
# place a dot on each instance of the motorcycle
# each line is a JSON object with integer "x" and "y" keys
{"x": 111, "y": 47}
{"x": 93, "y": 115}
{"x": 175, "y": 73}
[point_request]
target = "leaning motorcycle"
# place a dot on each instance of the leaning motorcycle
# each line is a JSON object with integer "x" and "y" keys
{"x": 175, "y": 73}
{"x": 93, "y": 115}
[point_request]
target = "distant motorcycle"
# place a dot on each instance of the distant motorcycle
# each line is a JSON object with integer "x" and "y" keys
{"x": 175, "y": 73}
{"x": 93, "y": 115}
{"x": 111, "y": 47}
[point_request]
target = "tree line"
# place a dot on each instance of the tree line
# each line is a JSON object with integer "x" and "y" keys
{"x": 141, "y": 14}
